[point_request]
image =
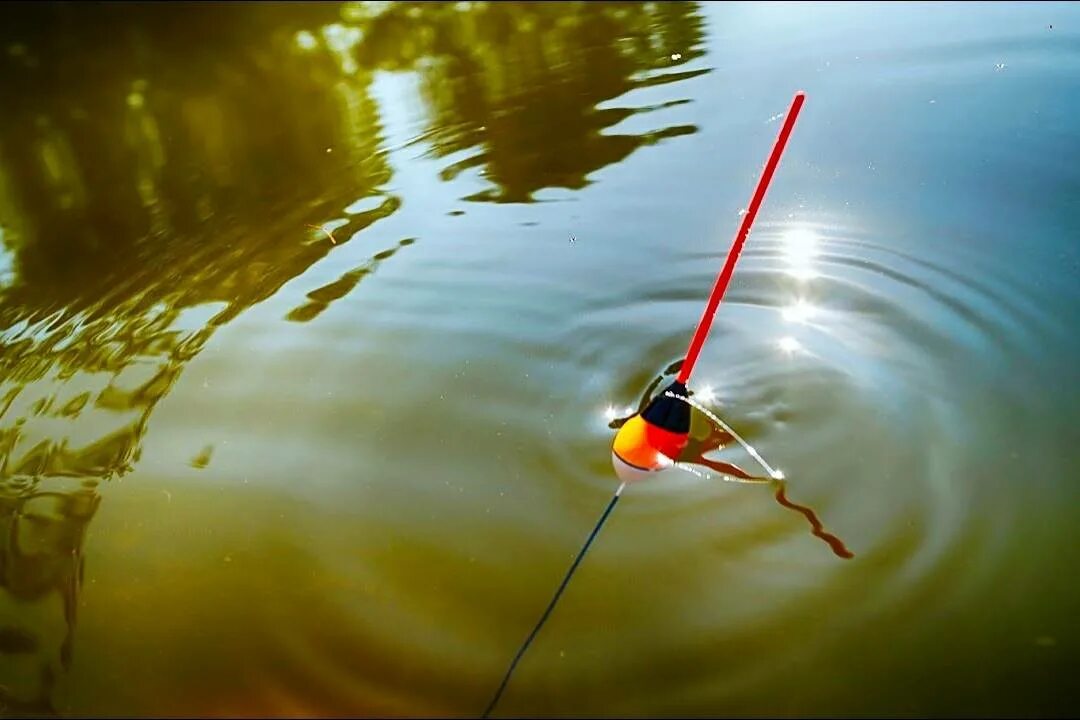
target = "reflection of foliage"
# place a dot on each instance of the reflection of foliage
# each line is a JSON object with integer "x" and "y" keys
{"x": 519, "y": 83}
{"x": 41, "y": 536}
{"x": 141, "y": 182}
{"x": 129, "y": 199}
{"x": 159, "y": 161}
{"x": 320, "y": 298}
{"x": 123, "y": 172}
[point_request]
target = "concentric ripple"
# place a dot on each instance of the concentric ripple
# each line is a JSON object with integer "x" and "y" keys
{"x": 853, "y": 367}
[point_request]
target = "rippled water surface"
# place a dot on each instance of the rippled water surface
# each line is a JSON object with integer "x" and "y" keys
{"x": 311, "y": 315}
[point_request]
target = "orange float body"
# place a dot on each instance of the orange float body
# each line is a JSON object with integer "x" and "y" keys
{"x": 653, "y": 439}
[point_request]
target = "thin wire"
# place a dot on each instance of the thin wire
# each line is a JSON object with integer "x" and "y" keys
{"x": 776, "y": 474}
{"x": 726, "y": 478}
{"x": 554, "y": 600}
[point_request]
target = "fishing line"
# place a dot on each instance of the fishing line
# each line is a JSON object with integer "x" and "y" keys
{"x": 554, "y": 600}
{"x": 596, "y": 531}
{"x": 773, "y": 473}
{"x": 687, "y": 467}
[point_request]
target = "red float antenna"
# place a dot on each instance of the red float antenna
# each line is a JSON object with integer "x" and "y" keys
{"x": 740, "y": 239}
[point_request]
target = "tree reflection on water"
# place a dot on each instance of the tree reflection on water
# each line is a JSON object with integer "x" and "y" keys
{"x": 163, "y": 159}
{"x": 517, "y": 86}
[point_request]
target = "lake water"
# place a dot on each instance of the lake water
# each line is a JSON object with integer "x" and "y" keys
{"x": 311, "y": 315}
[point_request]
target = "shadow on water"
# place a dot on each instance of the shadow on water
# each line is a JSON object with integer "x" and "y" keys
{"x": 697, "y": 452}
{"x": 150, "y": 194}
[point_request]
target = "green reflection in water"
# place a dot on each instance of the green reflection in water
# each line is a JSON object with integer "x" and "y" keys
{"x": 144, "y": 182}
{"x": 515, "y": 86}
{"x": 150, "y": 194}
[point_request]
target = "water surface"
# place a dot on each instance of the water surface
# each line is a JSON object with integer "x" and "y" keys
{"x": 311, "y": 314}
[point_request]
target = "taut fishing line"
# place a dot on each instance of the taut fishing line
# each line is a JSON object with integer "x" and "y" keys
{"x": 558, "y": 593}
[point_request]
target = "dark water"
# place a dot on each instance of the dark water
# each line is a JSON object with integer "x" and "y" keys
{"x": 311, "y": 315}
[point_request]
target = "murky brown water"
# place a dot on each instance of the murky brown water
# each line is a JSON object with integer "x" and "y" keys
{"x": 311, "y": 314}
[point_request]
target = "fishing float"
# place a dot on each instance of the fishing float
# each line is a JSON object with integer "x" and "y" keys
{"x": 652, "y": 440}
